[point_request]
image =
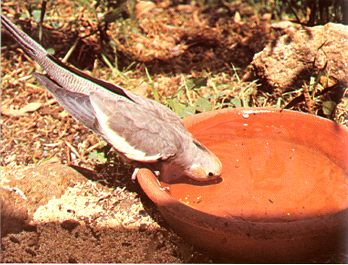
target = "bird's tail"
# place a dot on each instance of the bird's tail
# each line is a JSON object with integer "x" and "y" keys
{"x": 66, "y": 77}
{"x": 30, "y": 46}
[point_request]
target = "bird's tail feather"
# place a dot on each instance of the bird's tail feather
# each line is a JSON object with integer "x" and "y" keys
{"x": 57, "y": 71}
{"x": 30, "y": 46}
{"x": 66, "y": 77}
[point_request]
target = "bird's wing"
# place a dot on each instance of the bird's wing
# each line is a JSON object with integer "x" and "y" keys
{"x": 131, "y": 129}
{"x": 157, "y": 109}
{"x": 134, "y": 131}
{"x": 77, "y": 104}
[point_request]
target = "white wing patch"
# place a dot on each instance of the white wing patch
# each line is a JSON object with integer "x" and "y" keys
{"x": 119, "y": 142}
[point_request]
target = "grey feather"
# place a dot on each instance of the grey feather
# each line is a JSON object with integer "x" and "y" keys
{"x": 143, "y": 130}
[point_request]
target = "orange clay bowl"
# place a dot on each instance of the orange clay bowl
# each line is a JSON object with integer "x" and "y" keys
{"x": 284, "y": 190}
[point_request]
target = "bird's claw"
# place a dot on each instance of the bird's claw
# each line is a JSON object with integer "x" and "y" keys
{"x": 134, "y": 174}
{"x": 136, "y": 170}
{"x": 166, "y": 188}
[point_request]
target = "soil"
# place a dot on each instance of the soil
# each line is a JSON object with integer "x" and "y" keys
{"x": 53, "y": 213}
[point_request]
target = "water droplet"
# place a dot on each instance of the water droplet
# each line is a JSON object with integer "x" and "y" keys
{"x": 245, "y": 115}
{"x": 245, "y": 124}
{"x": 198, "y": 199}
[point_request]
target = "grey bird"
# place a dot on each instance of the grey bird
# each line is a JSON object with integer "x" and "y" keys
{"x": 141, "y": 130}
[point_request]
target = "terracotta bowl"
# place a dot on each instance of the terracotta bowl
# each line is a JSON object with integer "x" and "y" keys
{"x": 284, "y": 190}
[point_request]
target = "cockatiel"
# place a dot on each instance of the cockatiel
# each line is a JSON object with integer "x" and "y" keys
{"x": 140, "y": 129}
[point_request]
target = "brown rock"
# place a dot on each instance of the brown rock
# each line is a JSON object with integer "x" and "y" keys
{"x": 301, "y": 53}
{"x": 41, "y": 182}
{"x": 24, "y": 189}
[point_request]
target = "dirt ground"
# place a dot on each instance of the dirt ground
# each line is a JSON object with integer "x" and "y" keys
{"x": 65, "y": 193}
{"x": 55, "y": 213}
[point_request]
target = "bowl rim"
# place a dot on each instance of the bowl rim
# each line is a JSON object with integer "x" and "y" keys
{"x": 152, "y": 188}
{"x": 196, "y": 118}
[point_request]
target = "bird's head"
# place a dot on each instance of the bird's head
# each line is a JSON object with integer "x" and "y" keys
{"x": 206, "y": 165}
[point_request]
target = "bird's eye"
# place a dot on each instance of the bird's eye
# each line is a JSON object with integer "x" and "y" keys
{"x": 199, "y": 145}
{"x": 210, "y": 174}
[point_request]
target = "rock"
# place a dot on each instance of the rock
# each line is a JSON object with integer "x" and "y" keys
{"x": 297, "y": 55}
{"x": 39, "y": 183}
{"x": 24, "y": 189}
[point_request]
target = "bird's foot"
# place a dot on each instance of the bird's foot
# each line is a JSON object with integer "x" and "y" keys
{"x": 136, "y": 170}
{"x": 135, "y": 173}
{"x": 165, "y": 188}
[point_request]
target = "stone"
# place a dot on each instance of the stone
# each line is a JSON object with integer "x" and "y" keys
{"x": 290, "y": 60}
{"x": 39, "y": 183}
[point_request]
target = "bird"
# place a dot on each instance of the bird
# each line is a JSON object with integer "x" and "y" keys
{"x": 143, "y": 131}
